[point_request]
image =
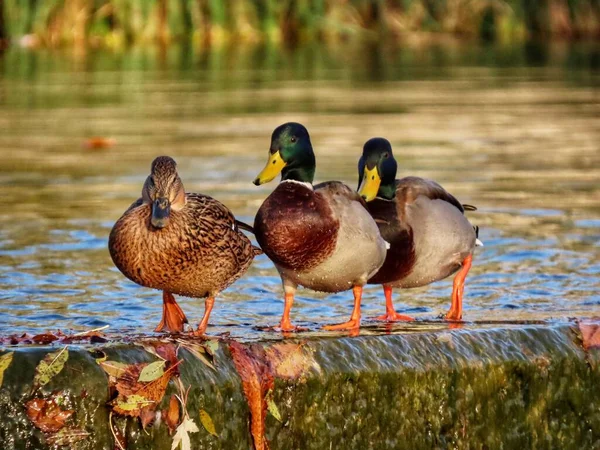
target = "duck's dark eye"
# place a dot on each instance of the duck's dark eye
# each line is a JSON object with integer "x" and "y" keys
{"x": 294, "y": 139}
{"x": 386, "y": 155}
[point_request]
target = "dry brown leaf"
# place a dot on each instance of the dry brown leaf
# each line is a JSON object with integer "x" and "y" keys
{"x": 289, "y": 360}
{"x": 147, "y": 416}
{"x": 171, "y": 414}
{"x": 98, "y": 142}
{"x": 45, "y": 338}
{"x": 135, "y": 395}
{"x": 46, "y": 414}
{"x": 590, "y": 333}
{"x": 257, "y": 379}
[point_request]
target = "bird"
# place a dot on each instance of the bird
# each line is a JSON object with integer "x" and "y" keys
{"x": 430, "y": 237}
{"x": 321, "y": 237}
{"x": 182, "y": 243}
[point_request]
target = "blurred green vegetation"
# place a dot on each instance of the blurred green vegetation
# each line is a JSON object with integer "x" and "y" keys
{"x": 118, "y": 23}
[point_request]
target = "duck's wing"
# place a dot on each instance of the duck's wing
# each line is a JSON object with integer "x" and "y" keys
{"x": 408, "y": 189}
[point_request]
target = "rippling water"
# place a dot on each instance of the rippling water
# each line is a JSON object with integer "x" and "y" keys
{"x": 514, "y": 131}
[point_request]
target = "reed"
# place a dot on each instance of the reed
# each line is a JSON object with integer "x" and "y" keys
{"x": 123, "y": 22}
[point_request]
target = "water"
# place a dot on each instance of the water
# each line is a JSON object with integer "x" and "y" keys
{"x": 514, "y": 131}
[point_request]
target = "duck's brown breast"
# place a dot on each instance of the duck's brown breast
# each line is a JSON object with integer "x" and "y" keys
{"x": 400, "y": 257}
{"x": 296, "y": 227}
{"x": 199, "y": 253}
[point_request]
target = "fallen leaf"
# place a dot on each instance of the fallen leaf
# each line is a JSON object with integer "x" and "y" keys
{"x": 590, "y": 333}
{"x": 207, "y": 423}
{"x": 257, "y": 379}
{"x": 99, "y": 355}
{"x": 198, "y": 351}
{"x": 212, "y": 345}
{"x": 49, "y": 367}
{"x": 114, "y": 368}
{"x": 152, "y": 371}
{"x": 5, "y": 361}
{"x": 135, "y": 395}
{"x": 290, "y": 361}
{"x": 272, "y": 407}
{"x": 147, "y": 416}
{"x": 182, "y": 437}
{"x": 67, "y": 437}
{"x": 171, "y": 415}
{"x": 130, "y": 405}
{"x": 46, "y": 414}
{"x": 45, "y": 338}
{"x": 97, "y": 142}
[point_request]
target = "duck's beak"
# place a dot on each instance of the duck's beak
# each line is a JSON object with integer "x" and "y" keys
{"x": 275, "y": 165}
{"x": 161, "y": 210}
{"x": 370, "y": 184}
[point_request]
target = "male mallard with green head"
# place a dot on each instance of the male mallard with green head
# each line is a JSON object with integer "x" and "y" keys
{"x": 181, "y": 243}
{"x": 321, "y": 237}
{"x": 429, "y": 235}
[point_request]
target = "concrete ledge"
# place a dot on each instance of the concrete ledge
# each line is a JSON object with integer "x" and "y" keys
{"x": 514, "y": 387}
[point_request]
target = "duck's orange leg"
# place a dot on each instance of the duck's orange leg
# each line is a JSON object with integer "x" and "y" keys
{"x": 390, "y": 313}
{"x": 458, "y": 288}
{"x": 286, "y": 324}
{"x": 208, "y": 306}
{"x": 173, "y": 317}
{"x": 354, "y": 322}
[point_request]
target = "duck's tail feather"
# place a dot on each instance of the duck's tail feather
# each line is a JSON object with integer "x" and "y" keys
{"x": 478, "y": 243}
{"x": 257, "y": 251}
{"x": 469, "y": 207}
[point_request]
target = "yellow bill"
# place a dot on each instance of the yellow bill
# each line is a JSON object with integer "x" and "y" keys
{"x": 370, "y": 184}
{"x": 275, "y": 165}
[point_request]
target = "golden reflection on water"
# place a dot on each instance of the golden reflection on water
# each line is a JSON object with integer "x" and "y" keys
{"x": 521, "y": 143}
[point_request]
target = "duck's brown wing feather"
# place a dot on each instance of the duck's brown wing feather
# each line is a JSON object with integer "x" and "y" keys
{"x": 408, "y": 189}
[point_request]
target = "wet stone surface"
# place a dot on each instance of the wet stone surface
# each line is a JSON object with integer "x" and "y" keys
{"x": 530, "y": 386}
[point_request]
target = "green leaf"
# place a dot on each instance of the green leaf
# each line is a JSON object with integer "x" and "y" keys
{"x": 152, "y": 371}
{"x": 212, "y": 345}
{"x": 132, "y": 403}
{"x": 114, "y": 368}
{"x": 207, "y": 423}
{"x": 49, "y": 367}
{"x": 272, "y": 407}
{"x": 5, "y": 361}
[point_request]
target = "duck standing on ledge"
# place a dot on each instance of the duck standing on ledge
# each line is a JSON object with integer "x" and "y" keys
{"x": 321, "y": 237}
{"x": 429, "y": 235}
{"x": 181, "y": 243}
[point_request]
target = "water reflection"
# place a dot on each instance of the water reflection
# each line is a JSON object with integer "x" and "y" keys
{"x": 512, "y": 130}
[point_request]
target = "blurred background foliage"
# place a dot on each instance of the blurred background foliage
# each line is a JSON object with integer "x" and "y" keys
{"x": 119, "y": 23}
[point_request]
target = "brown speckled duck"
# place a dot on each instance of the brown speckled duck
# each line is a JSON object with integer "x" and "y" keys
{"x": 429, "y": 235}
{"x": 320, "y": 237}
{"x": 181, "y": 243}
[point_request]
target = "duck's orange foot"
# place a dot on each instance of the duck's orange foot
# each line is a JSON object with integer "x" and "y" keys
{"x": 453, "y": 316}
{"x": 393, "y": 316}
{"x": 352, "y": 324}
{"x": 173, "y": 317}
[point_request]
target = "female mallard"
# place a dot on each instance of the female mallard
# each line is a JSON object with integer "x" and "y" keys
{"x": 181, "y": 243}
{"x": 320, "y": 237}
{"x": 429, "y": 235}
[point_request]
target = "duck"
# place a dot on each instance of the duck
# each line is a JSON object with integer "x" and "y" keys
{"x": 430, "y": 237}
{"x": 322, "y": 236}
{"x": 181, "y": 243}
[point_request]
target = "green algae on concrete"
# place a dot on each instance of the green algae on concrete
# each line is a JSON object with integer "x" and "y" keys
{"x": 514, "y": 387}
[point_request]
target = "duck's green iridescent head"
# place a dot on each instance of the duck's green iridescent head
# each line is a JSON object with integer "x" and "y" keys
{"x": 163, "y": 190}
{"x": 377, "y": 170}
{"x": 291, "y": 153}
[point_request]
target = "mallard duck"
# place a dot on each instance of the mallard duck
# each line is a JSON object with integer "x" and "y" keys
{"x": 321, "y": 237}
{"x": 429, "y": 235}
{"x": 181, "y": 243}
